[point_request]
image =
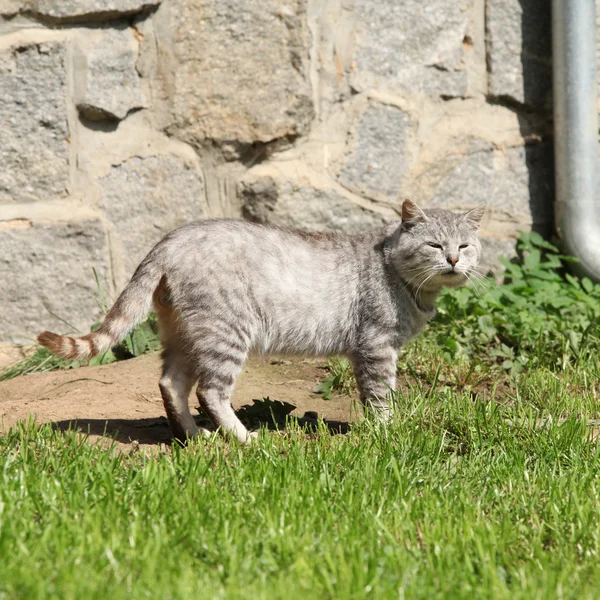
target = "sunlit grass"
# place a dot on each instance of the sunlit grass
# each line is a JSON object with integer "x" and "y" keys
{"x": 460, "y": 497}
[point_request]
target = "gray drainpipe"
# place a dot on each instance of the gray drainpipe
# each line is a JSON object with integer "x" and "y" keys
{"x": 576, "y": 131}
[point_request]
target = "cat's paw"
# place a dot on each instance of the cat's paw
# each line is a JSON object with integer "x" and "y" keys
{"x": 251, "y": 437}
{"x": 380, "y": 414}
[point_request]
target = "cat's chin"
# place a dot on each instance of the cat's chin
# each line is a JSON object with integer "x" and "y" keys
{"x": 453, "y": 279}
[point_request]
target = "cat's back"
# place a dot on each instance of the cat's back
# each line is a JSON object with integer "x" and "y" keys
{"x": 238, "y": 243}
{"x": 242, "y": 230}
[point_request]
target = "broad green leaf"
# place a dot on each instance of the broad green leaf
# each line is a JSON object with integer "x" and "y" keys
{"x": 532, "y": 259}
{"x": 587, "y": 284}
{"x": 486, "y": 325}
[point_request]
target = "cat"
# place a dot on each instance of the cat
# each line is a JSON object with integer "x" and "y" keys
{"x": 224, "y": 287}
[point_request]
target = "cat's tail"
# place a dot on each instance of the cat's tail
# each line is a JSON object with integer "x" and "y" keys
{"x": 131, "y": 307}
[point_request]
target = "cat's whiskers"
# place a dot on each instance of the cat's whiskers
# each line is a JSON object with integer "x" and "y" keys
{"x": 419, "y": 268}
{"x": 428, "y": 278}
{"x": 473, "y": 283}
{"x": 423, "y": 272}
{"x": 487, "y": 282}
{"x": 423, "y": 276}
{"x": 476, "y": 279}
{"x": 480, "y": 270}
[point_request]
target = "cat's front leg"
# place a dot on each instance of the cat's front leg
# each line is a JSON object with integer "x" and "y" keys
{"x": 375, "y": 372}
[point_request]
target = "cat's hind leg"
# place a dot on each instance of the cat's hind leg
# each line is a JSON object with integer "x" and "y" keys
{"x": 217, "y": 372}
{"x": 177, "y": 380}
{"x": 175, "y": 386}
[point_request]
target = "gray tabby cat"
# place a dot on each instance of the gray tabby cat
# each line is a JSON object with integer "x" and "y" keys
{"x": 222, "y": 288}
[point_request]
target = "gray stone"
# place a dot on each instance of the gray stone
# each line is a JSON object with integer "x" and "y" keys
{"x": 86, "y": 10}
{"x": 9, "y": 8}
{"x": 302, "y": 206}
{"x": 519, "y": 43}
{"x": 516, "y": 183}
{"x": 238, "y": 72}
{"x": 107, "y": 85}
{"x": 34, "y": 136}
{"x": 145, "y": 198}
{"x": 411, "y": 45}
{"x": 48, "y": 268}
{"x": 493, "y": 248}
{"x": 377, "y": 162}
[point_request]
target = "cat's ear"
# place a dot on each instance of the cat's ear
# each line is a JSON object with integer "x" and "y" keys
{"x": 474, "y": 216}
{"x": 412, "y": 214}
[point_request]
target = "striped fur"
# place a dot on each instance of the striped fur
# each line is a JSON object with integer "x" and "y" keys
{"x": 68, "y": 347}
{"x": 223, "y": 288}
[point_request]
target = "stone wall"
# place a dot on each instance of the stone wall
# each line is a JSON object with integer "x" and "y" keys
{"x": 122, "y": 119}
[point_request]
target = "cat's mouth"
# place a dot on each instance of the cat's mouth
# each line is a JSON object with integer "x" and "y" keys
{"x": 452, "y": 278}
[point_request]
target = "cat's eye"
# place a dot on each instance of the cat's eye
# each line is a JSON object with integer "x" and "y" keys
{"x": 434, "y": 245}
{"x": 463, "y": 246}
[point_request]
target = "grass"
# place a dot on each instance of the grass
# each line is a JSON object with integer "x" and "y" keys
{"x": 461, "y": 497}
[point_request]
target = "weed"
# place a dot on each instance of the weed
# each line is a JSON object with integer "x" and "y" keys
{"x": 539, "y": 316}
{"x": 339, "y": 380}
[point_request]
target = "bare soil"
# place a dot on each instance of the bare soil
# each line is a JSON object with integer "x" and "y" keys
{"x": 121, "y": 400}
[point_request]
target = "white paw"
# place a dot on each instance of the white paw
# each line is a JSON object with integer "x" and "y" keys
{"x": 380, "y": 414}
{"x": 251, "y": 435}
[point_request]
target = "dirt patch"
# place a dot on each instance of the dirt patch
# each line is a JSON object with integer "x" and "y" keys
{"x": 122, "y": 400}
{"x": 9, "y": 355}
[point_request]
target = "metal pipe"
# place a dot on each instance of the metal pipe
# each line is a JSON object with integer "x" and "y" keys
{"x": 576, "y": 131}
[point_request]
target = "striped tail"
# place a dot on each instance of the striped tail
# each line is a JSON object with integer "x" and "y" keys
{"x": 131, "y": 307}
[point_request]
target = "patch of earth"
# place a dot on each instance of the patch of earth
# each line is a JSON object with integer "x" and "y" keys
{"x": 9, "y": 355}
{"x": 121, "y": 400}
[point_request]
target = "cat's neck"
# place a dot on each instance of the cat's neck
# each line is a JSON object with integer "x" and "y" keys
{"x": 425, "y": 299}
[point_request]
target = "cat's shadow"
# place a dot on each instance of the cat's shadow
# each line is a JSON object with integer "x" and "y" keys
{"x": 156, "y": 430}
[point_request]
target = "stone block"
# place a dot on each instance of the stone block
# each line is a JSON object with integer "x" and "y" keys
{"x": 238, "y": 71}
{"x": 69, "y": 11}
{"x": 516, "y": 183}
{"x": 34, "y": 136}
{"x": 281, "y": 201}
{"x": 48, "y": 268}
{"x": 411, "y": 46}
{"x": 492, "y": 248}
{"x": 8, "y": 8}
{"x": 107, "y": 85}
{"x": 519, "y": 46}
{"x": 145, "y": 198}
{"x": 376, "y": 161}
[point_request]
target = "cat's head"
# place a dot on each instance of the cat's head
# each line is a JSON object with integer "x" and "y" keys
{"x": 436, "y": 248}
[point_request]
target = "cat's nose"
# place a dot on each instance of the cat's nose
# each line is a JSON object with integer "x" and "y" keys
{"x": 452, "y": 260}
